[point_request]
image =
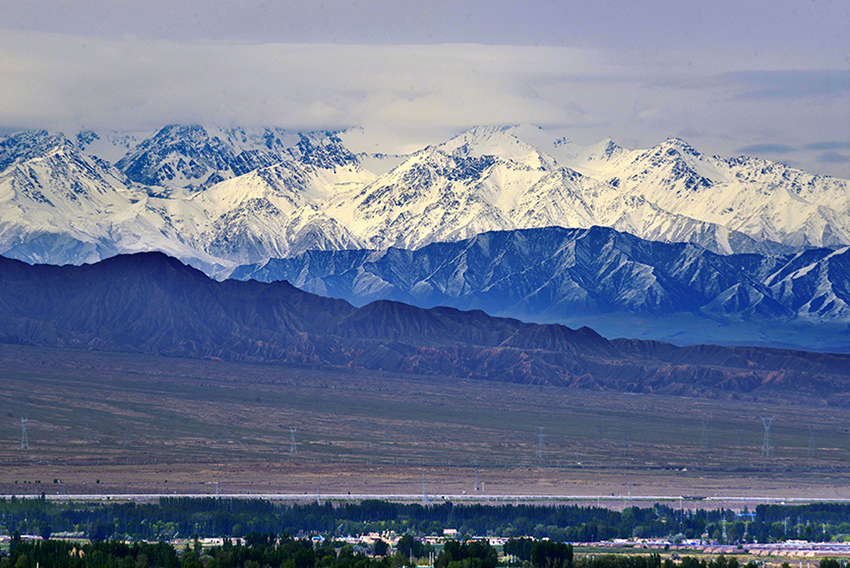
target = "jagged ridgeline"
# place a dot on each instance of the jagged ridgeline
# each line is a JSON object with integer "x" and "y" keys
{"x": 150, "y": 303}
{"x": 228, "y": 200}
{"x": 611, "y": 281}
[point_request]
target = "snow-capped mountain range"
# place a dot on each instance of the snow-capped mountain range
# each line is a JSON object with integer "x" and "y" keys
{"x": 570, "y": 275}
{"x": 220, "y": 198}
{"x": 217, "y": 198}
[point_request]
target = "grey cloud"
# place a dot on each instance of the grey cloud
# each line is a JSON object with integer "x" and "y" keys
{"x": 405, "y": 96}
{"x": 788, "y": 84}
{"x": 828, "y": 146}
{"x": 139, "y": 84}
{"x": 748, "y": 29}
{"x": 833, "y": 158}
{"x": 766, "y": 149}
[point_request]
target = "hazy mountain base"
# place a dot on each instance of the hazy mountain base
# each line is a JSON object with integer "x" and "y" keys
{"x": 686, "y": 329}
{"x": 596, "y": 277}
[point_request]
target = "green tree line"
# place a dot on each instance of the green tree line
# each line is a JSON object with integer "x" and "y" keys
{"x": 267, "y": 551}
{"x": 215, "y": 517}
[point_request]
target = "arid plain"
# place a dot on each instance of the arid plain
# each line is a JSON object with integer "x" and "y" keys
{"x": 102, "y": 423}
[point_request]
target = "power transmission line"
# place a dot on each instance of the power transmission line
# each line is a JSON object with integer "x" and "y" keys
{"x": 424, "y": 490}
{"x": 87, "y": 432}
{"x": 703, "y": 444}
{"x": 766, "y": 448}
{"x": 25, "y": 443}
{"x": 541, "y": 445}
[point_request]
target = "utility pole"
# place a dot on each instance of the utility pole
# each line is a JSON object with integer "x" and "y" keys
{"x": 767, "y": 448}
{"x": 703, "y": 444}
{"x": 541, "y": 445}
{"x": 424, "y": 490}
{"x": 25, "y": 443}
{"x": 811, "y": 440}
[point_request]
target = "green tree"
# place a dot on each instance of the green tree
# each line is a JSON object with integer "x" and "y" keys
{"x": 380, "y": 548}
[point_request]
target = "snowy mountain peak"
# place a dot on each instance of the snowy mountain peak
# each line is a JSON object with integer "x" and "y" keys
{"x": 603, "y": 151}
{"x": 677, "y": 145}
{"x": 110, "y": 145}
{"x": 176, "y": 156}
{"x": 217, "y": 195}
{"x": 506, "y": 142}
{"x": 30, "y": 144}
{"x": 328, "y": 152}
{"x": 195, "y": 157}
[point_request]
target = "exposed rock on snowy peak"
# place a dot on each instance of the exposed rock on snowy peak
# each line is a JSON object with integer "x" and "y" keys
{"x": 280, "y": 210}
{"x": 604, "y": 151}
{"x": 258, "y": 228}
{"x": 767, "y": 201}
{"x": 214, "y": 197}
{"x": 26, "y": 145}
{"x": 59, "y": 205}
{"x": 518, "y": 144}
{"x": 194, "y": 157}
{"x": 431, "y": 197}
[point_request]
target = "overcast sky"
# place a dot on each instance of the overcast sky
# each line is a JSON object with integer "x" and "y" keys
{"x": 767, "y": 78}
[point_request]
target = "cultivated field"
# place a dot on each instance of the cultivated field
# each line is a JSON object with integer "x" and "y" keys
{"x": 107, "y": 422}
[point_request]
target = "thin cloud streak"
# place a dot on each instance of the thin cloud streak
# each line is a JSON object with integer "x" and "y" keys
{"x": 833, "y": 158}
{"x": 828, "y": 146}
{"x": 766, "y": 149}
{"x": 794, "y": 84}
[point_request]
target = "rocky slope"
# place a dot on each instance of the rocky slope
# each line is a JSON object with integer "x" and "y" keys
{"x": 561, "y": 275}
{"x": 154, "y": 304}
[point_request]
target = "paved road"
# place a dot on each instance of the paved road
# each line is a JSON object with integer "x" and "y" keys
{"x": 438, "y": 498}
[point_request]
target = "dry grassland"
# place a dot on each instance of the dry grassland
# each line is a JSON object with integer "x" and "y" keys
{"x": 107, "y": 423}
